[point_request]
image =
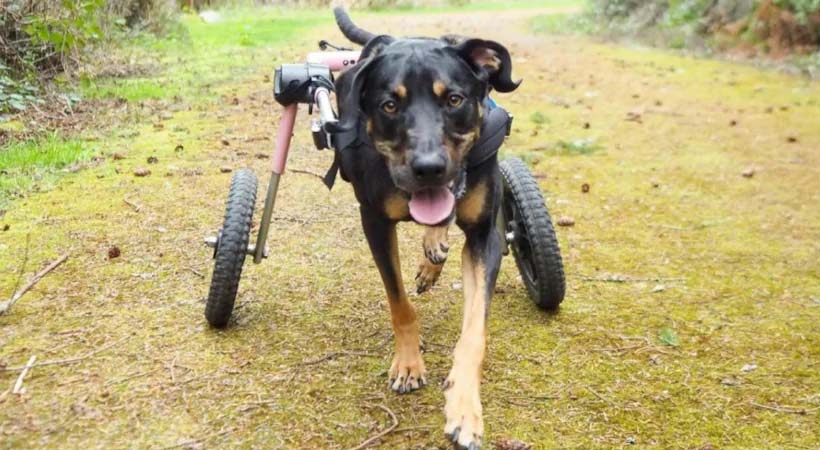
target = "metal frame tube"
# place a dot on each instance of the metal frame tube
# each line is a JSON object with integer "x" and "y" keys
{"x": 264, "y": 225}
{"x": 280, "y": 157}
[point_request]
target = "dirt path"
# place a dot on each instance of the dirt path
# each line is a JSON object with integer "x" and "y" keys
{"x": 722, "y": 264}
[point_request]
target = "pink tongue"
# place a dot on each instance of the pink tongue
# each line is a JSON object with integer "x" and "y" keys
{"x": 431, "y": 206}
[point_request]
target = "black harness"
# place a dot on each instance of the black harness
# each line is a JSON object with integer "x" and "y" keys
{"x": 496, "y": 126}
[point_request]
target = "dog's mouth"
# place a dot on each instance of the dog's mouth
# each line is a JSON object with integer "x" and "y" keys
{"x": 432, "y": 205}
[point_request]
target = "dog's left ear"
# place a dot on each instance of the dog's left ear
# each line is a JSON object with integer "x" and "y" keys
{"x": 491, "y": 57}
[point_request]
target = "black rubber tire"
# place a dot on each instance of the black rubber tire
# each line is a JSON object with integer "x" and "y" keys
{"x": 232, "y": 248}
{"x": 535, "y": 245}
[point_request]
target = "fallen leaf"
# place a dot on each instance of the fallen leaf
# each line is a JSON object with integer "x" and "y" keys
{"x": 749, "y": 172}
{"x": 566, "y": 221}
{"x": 179, "y": 148}
{"x": 6, "y": 227}
{"x": 225, "y": 142}
{"x": 117, "y": 156}
{"x": 585, "y": 188}
{"x": 659, "y": 288}
{"x": 113, "y": 252}
{"x": 152, "y": 160}
{"x": 791, "y": 139}
{"x": 225, "y": 169}
{"x": 141, "y": 172}
{"x": 261, "y": 156}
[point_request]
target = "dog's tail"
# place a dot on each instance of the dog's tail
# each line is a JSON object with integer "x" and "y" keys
{"x": 349, "y": 29}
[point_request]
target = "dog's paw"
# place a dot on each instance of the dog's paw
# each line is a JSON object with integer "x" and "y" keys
{"x": 407, "y": 373}
{"x": 464, "y": 425}
{"x": 437, "y": 252}
{"x": 435, "y": 244}
{"x": 427, "y": 275}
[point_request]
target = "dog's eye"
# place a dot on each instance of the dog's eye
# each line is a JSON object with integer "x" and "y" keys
{"x": 454, "y": 100}
{"x": 389, "y": 107}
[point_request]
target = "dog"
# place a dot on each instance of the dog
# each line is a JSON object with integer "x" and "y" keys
{"x": 420, "y": 104}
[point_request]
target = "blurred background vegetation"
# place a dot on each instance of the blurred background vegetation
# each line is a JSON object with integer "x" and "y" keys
{"x": 43, "y": 42}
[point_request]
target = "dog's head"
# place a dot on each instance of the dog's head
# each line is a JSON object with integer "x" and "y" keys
{"x": 422, "y": 101}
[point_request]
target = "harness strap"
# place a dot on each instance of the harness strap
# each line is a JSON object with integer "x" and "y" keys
{"x": 493, "y": 131}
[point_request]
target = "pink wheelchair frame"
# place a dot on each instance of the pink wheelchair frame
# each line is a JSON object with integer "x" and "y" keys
{"x": 336, "y": 61}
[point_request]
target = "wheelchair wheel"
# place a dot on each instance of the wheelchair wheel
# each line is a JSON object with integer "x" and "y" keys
{"x": 529, "y": 231}
{"x": 231, "y": 248}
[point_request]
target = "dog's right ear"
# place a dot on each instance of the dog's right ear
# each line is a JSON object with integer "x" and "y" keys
{"x": 351, "y": 84}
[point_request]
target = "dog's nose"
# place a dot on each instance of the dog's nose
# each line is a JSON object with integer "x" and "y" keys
{"x": 429, "y": 168}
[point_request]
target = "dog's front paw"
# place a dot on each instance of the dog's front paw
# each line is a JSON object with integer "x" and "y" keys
{"x": 435, "y": 244}
{"x": 464, "y": 423}
{"x": 427, "y": 275}
{"x": 407, "y": 373}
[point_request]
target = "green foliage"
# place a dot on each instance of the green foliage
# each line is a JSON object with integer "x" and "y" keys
{"x": 15, "y": 95}
{"x": 669, "y": 337}
{"x": 586, "y": 146}
{"x": 682, "y": 12}
{"x": 801, "y": 8}
{"x": 76, "y": 26}
{"x": 537, "y": 118}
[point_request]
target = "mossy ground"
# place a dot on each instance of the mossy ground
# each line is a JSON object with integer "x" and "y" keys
{"x": 736, "y": 261}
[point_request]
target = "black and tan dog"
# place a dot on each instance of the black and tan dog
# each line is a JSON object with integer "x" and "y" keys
{"x": 421, "y": 103}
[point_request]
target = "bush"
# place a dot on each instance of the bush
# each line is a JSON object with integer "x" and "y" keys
{"x": 42, "y": 38}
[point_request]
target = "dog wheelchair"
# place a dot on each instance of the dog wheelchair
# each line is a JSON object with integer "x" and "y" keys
{"x": 523, "y": 221}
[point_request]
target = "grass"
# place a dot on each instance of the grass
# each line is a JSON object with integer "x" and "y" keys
{"x": 198, "y": 58}
{"x": 35, "y": 165}
{"x": 196, "y": 65}
{"x": 691, "y": 315}
{"x": 578, "y": 22}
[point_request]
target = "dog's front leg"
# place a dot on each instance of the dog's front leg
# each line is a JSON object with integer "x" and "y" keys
{"x": 407, "y": 372}
{"x": 480, "y": 261}
{"x": 435, "y": 248}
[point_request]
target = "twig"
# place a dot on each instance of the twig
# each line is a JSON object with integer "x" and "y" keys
{"x": 196, "y": 272}
{"x": 783, "y": 409}
{"x": 307, "y": 172}
{"x": 18, "y": 385}
{"x": 382, "y": 433}
{"x": 332, "y": 355}
{"x": 255, "y": 404}
{"x": 56, "y": 362}
{"x": 589, "y": 388}
{"x": 6, "y": 306}
{"x": 133, "y": 205}
{"x": 624, "y": 279}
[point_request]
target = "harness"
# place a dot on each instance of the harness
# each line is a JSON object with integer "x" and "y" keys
{"x": 495, "y": 127}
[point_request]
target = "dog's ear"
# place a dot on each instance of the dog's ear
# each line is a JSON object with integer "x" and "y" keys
{"x": 350, "y": 84}
{"x": 492, "y": 57}
{"x": 376, "y": 45}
